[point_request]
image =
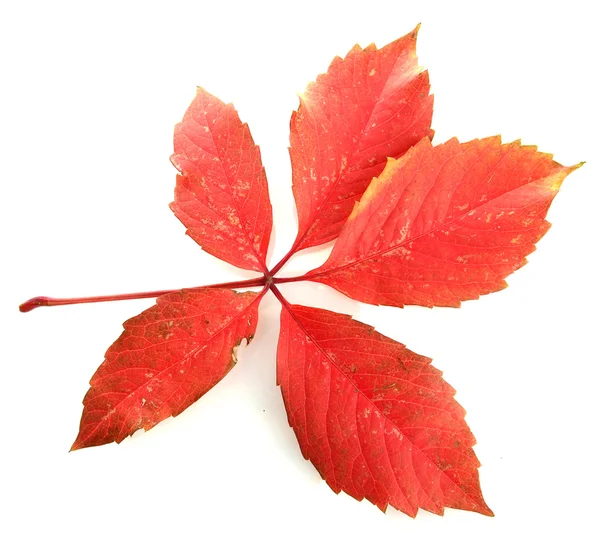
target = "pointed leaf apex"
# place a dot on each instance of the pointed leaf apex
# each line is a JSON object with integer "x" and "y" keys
{"x": 575, "y": 167}
{"x": 555, "y": 180}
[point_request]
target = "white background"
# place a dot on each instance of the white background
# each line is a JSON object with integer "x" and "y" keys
{"x": 89, "y": 97}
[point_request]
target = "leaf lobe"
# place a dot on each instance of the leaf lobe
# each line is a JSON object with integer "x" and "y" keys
{"x": 375, "y": 419}
{"x": 166, "y": 358}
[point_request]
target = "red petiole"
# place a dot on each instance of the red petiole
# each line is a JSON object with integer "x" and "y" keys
{"x": 42, "y": 301}
{"x": 266, "y": 280}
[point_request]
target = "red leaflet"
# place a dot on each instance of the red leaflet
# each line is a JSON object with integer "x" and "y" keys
{"x": 166, "y": 359}
{"x": 444, "y": 225}
{"x": 222, "y": 196}
{"x": 439, "y": 225}
{"x": 371, "y": 105}
{"x": 377, "y": 420}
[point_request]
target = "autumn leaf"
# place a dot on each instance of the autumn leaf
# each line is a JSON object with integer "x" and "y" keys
{"x": 415, "y": 224}
{"x": 376, "y": 420}
{"x": 222, "y": 196}
{"x": 166, "y": 358}
{"x": 444, "y": 224}
{"x": 369, "y": 106}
